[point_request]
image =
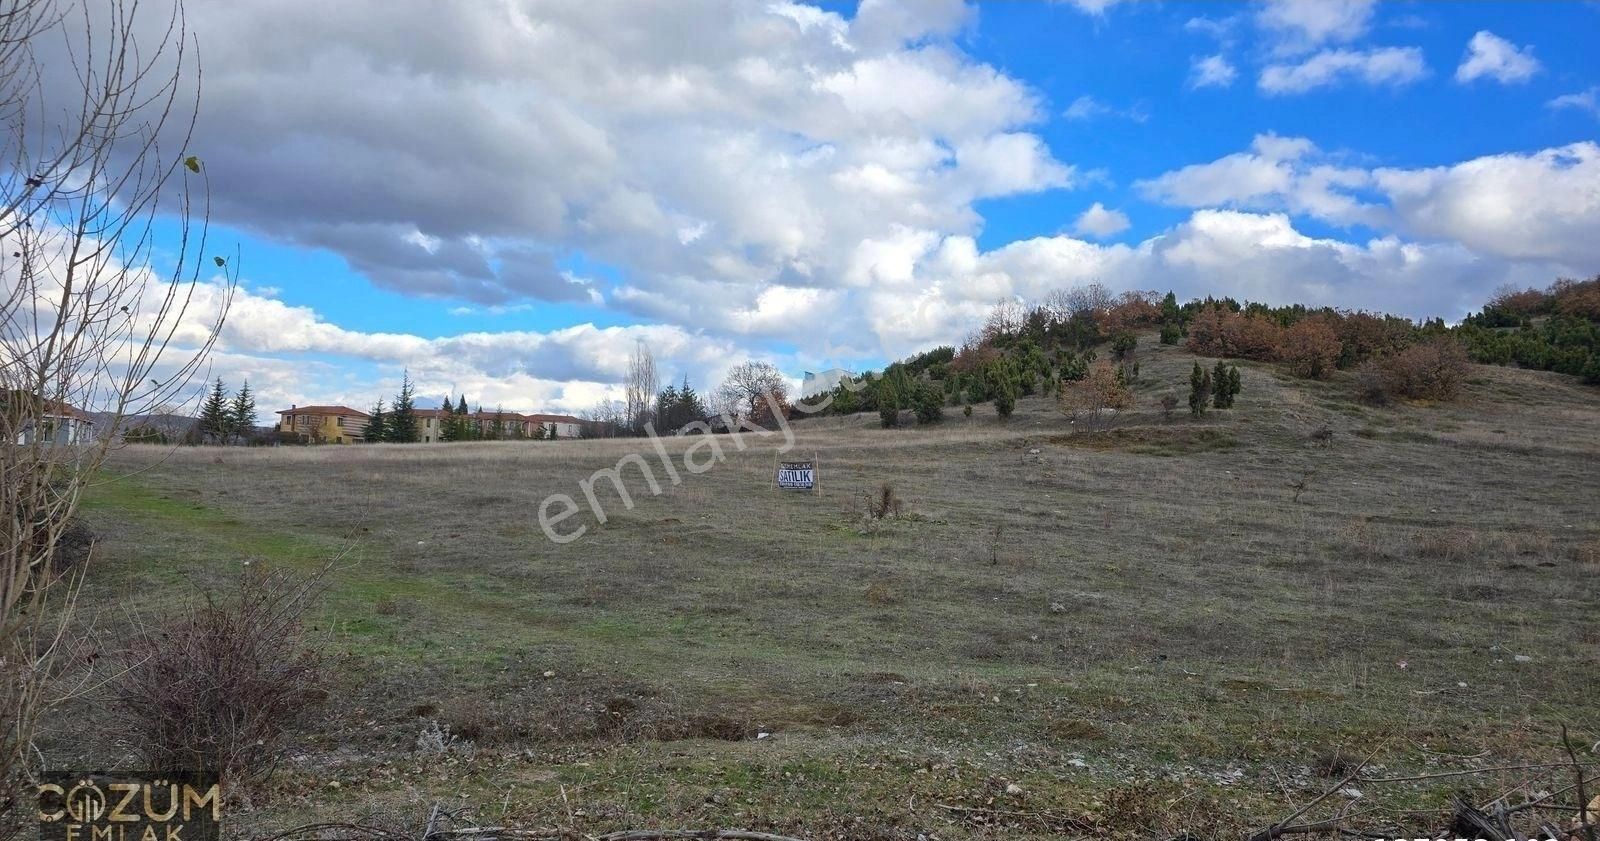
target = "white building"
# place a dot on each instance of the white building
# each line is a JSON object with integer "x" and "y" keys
{"x": 59, "y": 423}
{"x": 818, "y": 384}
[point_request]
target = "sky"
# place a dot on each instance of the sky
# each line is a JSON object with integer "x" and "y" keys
{"x": 503, "y": 198}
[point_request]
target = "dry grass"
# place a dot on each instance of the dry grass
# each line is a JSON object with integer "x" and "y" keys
{"x": 1150, "y": 604}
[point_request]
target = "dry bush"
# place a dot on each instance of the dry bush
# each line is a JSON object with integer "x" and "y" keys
{"x": 1311, "y": 348}
{"x": 1095, "y": 399}
{"x": 1588, "y": 553}
{"x": 211, "y": 692}
{"x": 1432, "y": 370}
{"x": 1219, "y": 332}
{"x": 1578, "y": 299}
{"x": 884, "y": 504}
{"x": 1514, "y": 301}
{"x": 1447, "y": 545}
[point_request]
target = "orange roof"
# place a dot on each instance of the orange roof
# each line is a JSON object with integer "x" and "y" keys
{"x": 322, "y": 410}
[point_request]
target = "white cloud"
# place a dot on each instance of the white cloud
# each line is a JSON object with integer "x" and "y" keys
{"x": 1302, "y": 25}
{"x": 1093, "y": 7}
{"x": 1540, "y": 206}
{"x": 1212, "y": 71}
{"x": 1098, "y": 222}
{"x": 1086, "y": 107}
{"x": 1588, "y": 100}
{"x": 1490, "y": 55}
{"x": 1382, "y": 66}
{"x": 1534, "y": 207}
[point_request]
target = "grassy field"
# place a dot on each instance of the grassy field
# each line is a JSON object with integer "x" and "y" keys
{"x": 1172, "y": 626}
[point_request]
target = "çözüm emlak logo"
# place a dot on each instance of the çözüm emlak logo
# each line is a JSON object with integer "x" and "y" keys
{"x": 126, "y": 807}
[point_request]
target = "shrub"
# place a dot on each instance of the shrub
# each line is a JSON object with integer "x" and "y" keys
{"x": 211, "y": 692}
{"x": 1169, "y": 403}
{"x": 1311, "y": 348}
{"x": 1432, "y": 370}
{"x": 1124, "y": 344}
{"x": 1095, "y": 399}
{"x": 1171, "y": 333}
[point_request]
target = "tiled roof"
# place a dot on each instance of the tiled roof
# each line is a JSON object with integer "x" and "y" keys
{"x": 322, "y": 410}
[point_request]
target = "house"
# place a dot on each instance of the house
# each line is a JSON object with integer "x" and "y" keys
{"x": 324, "y": 424}
{"x": 497, "y": 424}
{"x": 818, "y": 384}
{"x": 58, "y": 423}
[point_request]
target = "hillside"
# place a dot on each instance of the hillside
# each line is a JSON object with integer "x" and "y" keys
{"x": 1173, "y": 626}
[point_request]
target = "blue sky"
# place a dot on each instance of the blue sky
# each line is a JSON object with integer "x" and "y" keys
{"x": 504, "y": 200}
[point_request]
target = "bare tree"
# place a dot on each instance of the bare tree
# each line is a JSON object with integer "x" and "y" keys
{"x": 743, "y": 392}
{"x": 641, "y": 388}
{"x": 93, "y": 149}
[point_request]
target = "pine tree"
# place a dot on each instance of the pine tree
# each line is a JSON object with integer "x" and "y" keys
{"x": 1234, "y": 386}
{"x": 401, "y": 426}
{"x": 1221, "y": 394}
{"x": 377, "y": 429}
{"x": 1004, "y": 388}
{"x": 242, "y": 412}
{"x": 214, "y": 419}
{"x": 1199, "y": 390}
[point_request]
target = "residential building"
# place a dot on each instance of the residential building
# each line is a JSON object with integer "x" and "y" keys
{"x": 59, "y": 423}
{"x": 324, "y": 424}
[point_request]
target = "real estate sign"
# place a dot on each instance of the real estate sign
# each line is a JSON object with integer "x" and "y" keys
{"x": 797, "y": 475}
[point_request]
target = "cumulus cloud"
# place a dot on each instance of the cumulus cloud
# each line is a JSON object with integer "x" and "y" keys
{"x": 1099, "y": 222}
{"x": 1588, "y": 100}
{"x": 1540, "y": 206}
{"x": 1535, "y": 206}
{"x": 1212, "y": 71}
{"x": 1302, "y": 25}
{"x": 1489, "y": 55}
{"x": 1382, "y": 66}
{"x": 472, "y": 152}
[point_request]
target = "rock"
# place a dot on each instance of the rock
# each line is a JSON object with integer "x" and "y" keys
{"x": 1352, "y": 793}
{"x": 549, "y": 673}
{"x": 1035, "y": 451}
{"x": 1013, "y": 789}
{"x": 1522, "y": 658}
{"x": 1058, "y": 607}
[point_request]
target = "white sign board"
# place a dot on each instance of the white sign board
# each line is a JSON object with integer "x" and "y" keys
{"x": 797, "y": 475}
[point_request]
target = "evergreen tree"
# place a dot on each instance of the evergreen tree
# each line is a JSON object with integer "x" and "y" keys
{"x": 242, "y": 412}
{"x": 1199, "y": 390}
{"x": 1234, "y": 386}
{"x": 1221, "y": 394}
{"x": 1171, "y": 313}
{"x": 377, "y": 429}
{"x": 888, "y": 404}
{"x": 929, "y": 403}
{"x": 215, "y": 421}
{"x": 1003, "y": 386}
{"x": 461, "y": 405}
{"x": 1171, "y": 332}
{"x": 401, "y": 425}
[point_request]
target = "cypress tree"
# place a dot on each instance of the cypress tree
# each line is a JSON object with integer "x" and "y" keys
{"x": 214, "y": 418}
{"x": 1199, "y": 390}
{"x": 1234, "y": 387}
{"x": 401, "y": 426}
{"x": 1221, "y": 394}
